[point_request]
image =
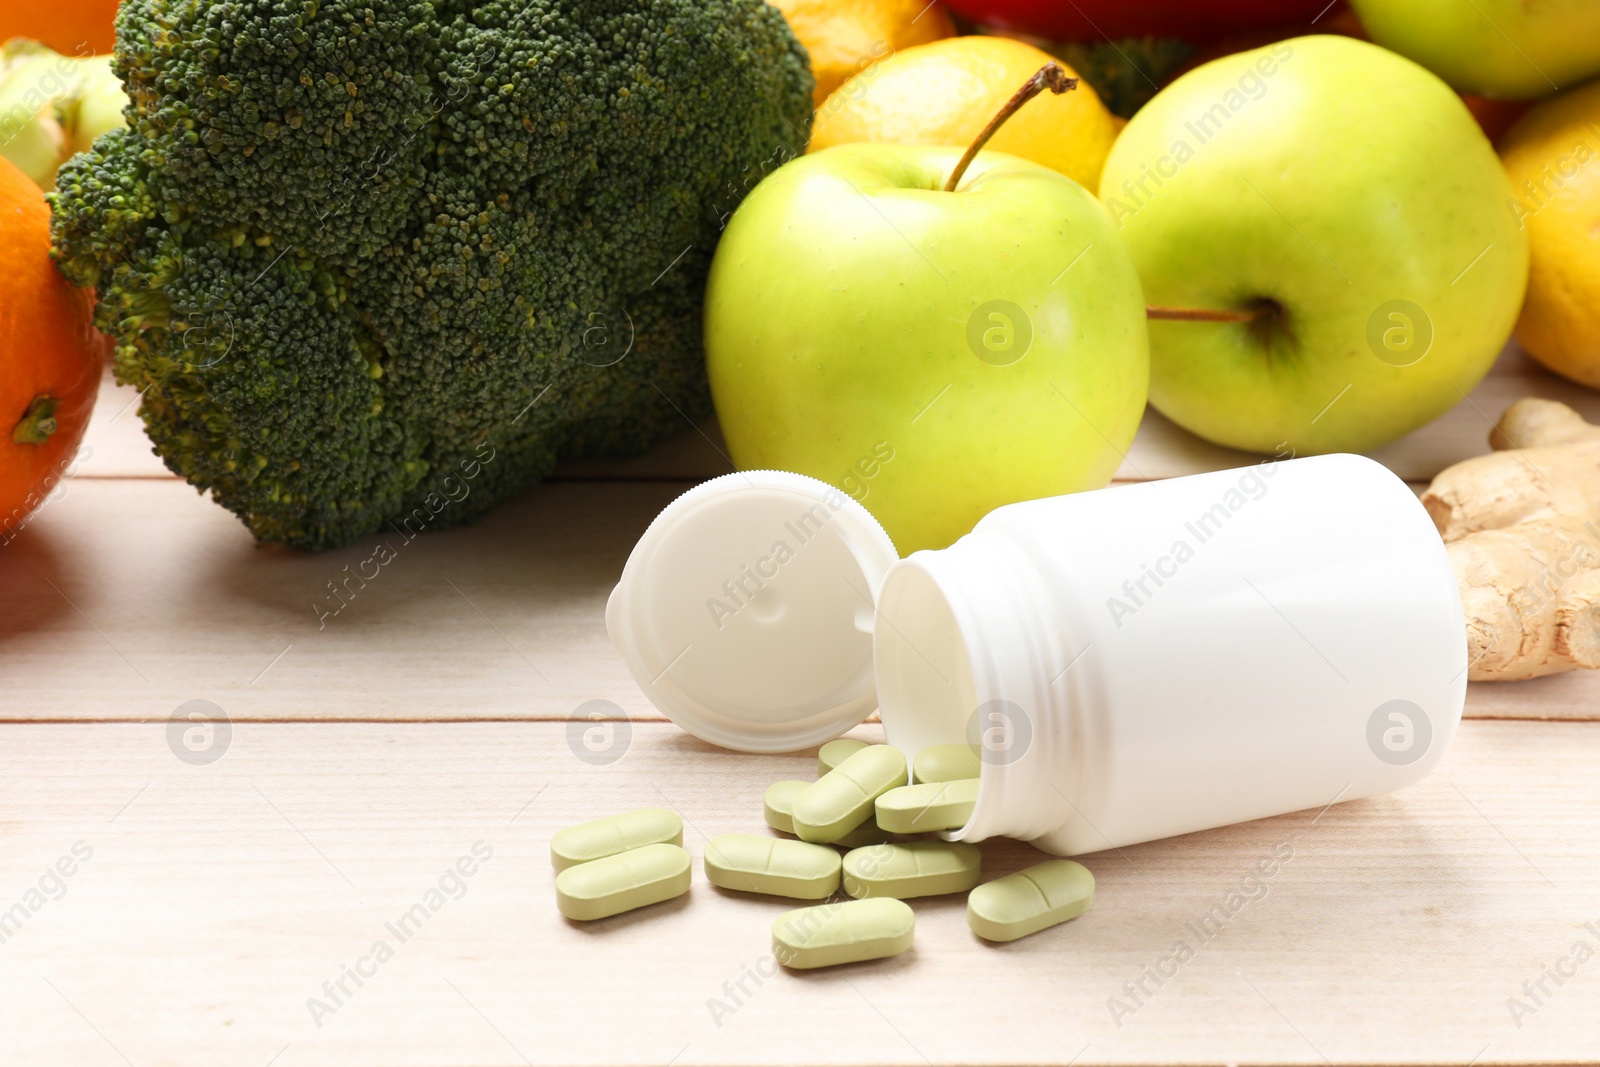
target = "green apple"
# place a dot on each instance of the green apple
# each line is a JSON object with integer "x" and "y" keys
{"x": 1345, "y": 198}
{"x": 933, "y": 354}
{"x": 1509, "y": 49}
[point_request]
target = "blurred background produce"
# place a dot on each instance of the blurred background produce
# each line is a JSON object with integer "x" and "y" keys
{"x": 53, "y": 106}
{"x": 845, "y": 37}
{"x": 73, "y": 27}
{"x": 1124, "y": 73}
{"x": 1096, "y": 20}
{"x": 1553, "y": 158}
{"x": 1509, "y": 49}
{"x": 944, "y": 93}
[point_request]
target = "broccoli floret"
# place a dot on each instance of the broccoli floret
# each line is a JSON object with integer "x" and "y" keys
{"x": 385, "y": 262}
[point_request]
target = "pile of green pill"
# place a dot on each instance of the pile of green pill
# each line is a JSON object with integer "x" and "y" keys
{"x": 863, "y": 799}
{"x": 613, "y": 865}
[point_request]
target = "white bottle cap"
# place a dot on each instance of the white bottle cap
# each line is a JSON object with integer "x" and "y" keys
{"x": 745, "y": 611}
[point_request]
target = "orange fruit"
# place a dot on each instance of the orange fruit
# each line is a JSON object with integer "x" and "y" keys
{"x": 71, "y": 27}
{"x": 50, "y": 355}
{"x": 1553, "y": 157}
{"x": 845, "y": 37}
{"x": 946, "y": 92}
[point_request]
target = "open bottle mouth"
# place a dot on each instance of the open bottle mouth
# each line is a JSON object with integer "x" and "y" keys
{"x": 926, "y": 692}
{"x": 963, "y": 654}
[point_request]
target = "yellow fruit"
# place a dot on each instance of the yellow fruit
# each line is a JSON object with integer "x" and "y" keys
{"x": 946, "y": 92}
{"x": 845, "y": 37}
{"x": 1553, "y": 157}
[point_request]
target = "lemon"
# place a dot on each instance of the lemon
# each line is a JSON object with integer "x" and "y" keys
{"x": 944, "y": 93}
{"x": 1553, "y": 157}
{"x": 845, "y": 37}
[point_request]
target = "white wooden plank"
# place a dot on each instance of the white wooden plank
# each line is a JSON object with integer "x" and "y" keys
{"x": 1161, "y": 449}
{"x": 115, "y": 446}
{"x": 1463, "y": 431}
{"x": 125, "y": 598}
{"x": 1559, "y": 696}
{"x": 219, "y": 898}
{"x": 693, "y": 456}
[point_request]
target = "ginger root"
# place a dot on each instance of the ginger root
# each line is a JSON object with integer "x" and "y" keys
{"x": 1532, "y": 422}
{"x": 1519, "y": 485}
{"x": 1531, "y": 594}
{"x": 1522, "y": 526}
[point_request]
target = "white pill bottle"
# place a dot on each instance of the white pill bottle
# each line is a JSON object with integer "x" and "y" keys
{"x": 1132, "y": 663}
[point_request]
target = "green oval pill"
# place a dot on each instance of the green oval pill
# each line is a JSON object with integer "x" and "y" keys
{"x": 842, "y": 799}
{"x": 610, "y": 886}
{"x": 836, "y": 752}
{"x": 1029, "y": 901}
{"x": 918, "y": 809}
{"x": 844, "y": 932}
{"x": 618, "y": 833}
{"x": 778, "y": 804}
{"x": 773, "y": 865}
{"x": 868, "y": 833}
{"x": 946, "y": 763}
{"x": 913, "y": 869}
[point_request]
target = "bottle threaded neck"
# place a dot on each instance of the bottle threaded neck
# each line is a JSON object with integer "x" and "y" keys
{"x": 968, "y": 651}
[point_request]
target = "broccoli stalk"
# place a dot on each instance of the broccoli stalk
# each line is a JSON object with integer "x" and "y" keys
{"x": 382, "y": 263}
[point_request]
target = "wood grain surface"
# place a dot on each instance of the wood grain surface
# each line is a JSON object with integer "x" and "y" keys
{"x": 126, "y": 597}
{"x": 385, "y": 731}
{"x": 218, "y": 900}
{"x": 1161, "y": 449}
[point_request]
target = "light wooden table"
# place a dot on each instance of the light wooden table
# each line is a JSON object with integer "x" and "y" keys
{"x": 213, "y": 910}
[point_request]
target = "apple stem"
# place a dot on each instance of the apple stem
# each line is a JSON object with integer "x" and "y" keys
{"x": 1052, "y": 76}
{"x": 1205, "y": 314}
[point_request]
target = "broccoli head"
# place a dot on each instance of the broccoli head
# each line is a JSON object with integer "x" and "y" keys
{"x": 384, "y": 262}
